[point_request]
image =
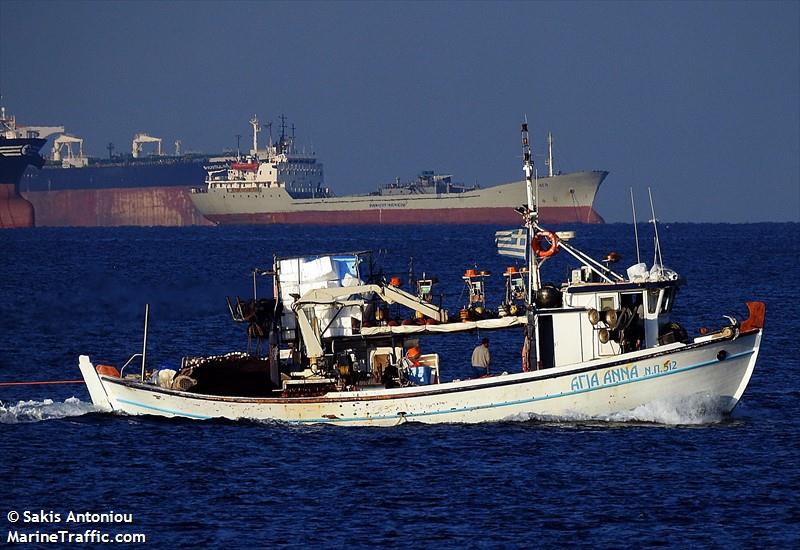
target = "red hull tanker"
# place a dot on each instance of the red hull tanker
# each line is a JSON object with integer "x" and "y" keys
{"x": 144, "y": 206}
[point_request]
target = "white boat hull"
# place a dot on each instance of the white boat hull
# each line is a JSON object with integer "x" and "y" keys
{"x": 597, "y": 389}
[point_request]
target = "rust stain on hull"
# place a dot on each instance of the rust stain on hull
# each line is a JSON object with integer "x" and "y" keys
{"x": 15, "y": 212}
{"x": 146, "y": 206}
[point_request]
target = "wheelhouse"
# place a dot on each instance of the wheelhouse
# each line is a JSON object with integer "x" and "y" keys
{"x": 600, "y": 319}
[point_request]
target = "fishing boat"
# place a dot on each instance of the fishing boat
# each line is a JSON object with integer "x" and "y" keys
{"x": 326, "y": 347}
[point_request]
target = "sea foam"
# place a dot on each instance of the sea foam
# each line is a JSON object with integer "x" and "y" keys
{"x": 694, "y": 410}
{"x": 36, "y": 411}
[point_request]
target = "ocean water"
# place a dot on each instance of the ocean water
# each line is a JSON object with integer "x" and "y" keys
{"x": 667, "y": 474}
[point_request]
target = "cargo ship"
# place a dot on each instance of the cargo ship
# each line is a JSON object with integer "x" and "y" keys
{"x": 279, "y": 184}
{"x": 19, "y": 148}
{"x": 141, "y": 189}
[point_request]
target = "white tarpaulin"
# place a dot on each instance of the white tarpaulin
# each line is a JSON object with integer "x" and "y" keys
{"x": 485, "y": 324}
{"x": 296, "y": 276}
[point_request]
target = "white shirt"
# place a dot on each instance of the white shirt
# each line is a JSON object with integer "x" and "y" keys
{"x": 481, "y": 357}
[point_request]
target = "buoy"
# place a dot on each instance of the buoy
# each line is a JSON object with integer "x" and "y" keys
{"x": 611, "y": 317}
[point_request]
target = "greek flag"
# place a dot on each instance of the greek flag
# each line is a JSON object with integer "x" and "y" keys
{"x": 512, "y": 242}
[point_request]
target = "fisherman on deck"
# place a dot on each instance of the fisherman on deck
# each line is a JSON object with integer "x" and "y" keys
{"x": 481, "y": 359}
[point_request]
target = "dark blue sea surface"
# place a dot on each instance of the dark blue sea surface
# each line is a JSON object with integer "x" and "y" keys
{"x": 656, "y": 477}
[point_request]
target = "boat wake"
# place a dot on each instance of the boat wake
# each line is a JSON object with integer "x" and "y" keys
{"x": 691, "y": 411}
{"x": 687, "y": 411}
{"x": 36, "y": 411}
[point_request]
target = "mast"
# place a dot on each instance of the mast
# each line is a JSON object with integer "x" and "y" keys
{"x": 531, "y": 223}
{"x": 282, "y": 142}
{"x": 550, "y": 154}
{"x": 532, "y": 214}
{"x": 256, "y": 130}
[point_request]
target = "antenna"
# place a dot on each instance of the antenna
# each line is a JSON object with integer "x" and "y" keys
{"x": 550, "y": 154}
{"x": 657, "y": 253}
{"x": 635, "y": 229}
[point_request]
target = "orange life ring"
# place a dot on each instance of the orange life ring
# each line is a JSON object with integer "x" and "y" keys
{"x": 536, "y": 244}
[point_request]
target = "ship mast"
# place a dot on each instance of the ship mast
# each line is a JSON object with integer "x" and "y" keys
{"x": 256, "y": 130}
{"x": 550, "y": 154}
{"x": 532, "y": 224}
{"x": 532, "y": 213}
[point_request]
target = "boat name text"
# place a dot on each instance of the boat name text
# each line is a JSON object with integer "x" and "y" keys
{"x": 617, "y": 375}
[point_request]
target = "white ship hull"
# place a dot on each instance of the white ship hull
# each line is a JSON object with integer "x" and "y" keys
{"x": 566, "y": 198}
{"x": 715, "y": 372}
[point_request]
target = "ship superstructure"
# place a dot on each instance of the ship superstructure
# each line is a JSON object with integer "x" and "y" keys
{"x": 278, "y": 166}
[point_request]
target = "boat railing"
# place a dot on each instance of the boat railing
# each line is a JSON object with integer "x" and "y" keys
{"x": 128, "y": 362}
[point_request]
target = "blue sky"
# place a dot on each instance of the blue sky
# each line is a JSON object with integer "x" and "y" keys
{"x": 699, "y": 101}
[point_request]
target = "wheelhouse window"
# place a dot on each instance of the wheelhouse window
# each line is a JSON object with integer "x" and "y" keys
{"x": 669, "y": 299}
{"x": 606, "y": 302}
{"x": 652, "y": 299}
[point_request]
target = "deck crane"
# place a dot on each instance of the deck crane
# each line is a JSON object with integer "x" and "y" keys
{"x": 70, "y": 160}
{"x": 141, "y": 139}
